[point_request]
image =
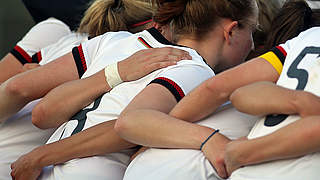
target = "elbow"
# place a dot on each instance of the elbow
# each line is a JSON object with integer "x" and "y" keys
{"x": 219, "y": 88}
{"x": 124, "y": 124}
{"x": 39, "y": 115}
{"x": 235, "y": 97}
{"x": 15, "y": 87}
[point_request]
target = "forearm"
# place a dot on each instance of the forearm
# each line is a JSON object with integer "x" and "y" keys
{"x": 98, "y": 140}
{"x": 156, "y": 129}
{"x": 61, "y": 103}
{"x": 205, "y": 99}
{"x": 294, "y": 140}
{"x": 25, "y": 87}
{"x": 265, "y": 98}
{"x": 9, "y": 66}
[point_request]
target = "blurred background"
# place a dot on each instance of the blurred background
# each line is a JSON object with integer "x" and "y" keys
{"x": 15, "y": 21}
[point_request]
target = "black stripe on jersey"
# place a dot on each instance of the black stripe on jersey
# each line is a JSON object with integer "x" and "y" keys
{"x": 171, "y": 86}
{"x": 21, "y": 55}
{"x": 36, "y": 58}
{"x": 79, "y": 59}
{"x": 158, "y": 36}
{"x": 280, "y": 53}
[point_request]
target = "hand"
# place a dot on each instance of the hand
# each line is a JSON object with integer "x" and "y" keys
{"x": 25, "y": 168}
{"x": 145, "y": 61}
{"x": 232, "y": 155}
{"x": 29, "y": 66}
{"x": 214, "y": 150}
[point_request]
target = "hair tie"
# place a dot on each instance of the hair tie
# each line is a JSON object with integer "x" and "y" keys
{"x": 140, "y": 23}
{"x": 117, "y": 5}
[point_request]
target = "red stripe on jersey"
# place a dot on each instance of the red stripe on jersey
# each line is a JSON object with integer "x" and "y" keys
{"x": 83, "y": 60}
{"x": 175, "y": 85}
{"x": 39, "y": 56}
{"x": 23, "y": 54}
{"x": 282, "y": 50}
{"x": 144, "y": 42}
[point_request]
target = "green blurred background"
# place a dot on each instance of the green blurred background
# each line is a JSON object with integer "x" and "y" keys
{"x": 15, "y": 21}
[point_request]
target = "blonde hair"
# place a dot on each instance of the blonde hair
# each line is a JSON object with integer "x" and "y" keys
{"x": 115, "y": 15}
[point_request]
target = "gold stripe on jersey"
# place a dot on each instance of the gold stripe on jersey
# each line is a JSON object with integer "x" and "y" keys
{"x": 276, "y": 57}
{"x": 273, "y": 60}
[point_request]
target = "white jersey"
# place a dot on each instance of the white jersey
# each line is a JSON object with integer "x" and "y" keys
{"x": 314, "y": 4}
{"x": 300, "y": 71}
{"x": 34, "y": 48}
{"x": 18, "y": 136}
{"x": 187, "y": 164}
{"x": 40, "y": 36}
{"x": 180, "y": 79}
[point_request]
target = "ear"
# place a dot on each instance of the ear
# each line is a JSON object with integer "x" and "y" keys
{"x": 229, "y": 30}
{"x": 157, "y": 26}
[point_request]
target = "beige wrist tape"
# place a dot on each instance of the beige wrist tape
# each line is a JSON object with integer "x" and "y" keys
{"x": 112, "y": 75}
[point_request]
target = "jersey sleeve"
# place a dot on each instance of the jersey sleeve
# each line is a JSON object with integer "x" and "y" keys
{"x": 37, "y": 38}
{"x": 276, "y": 57}
{"x": 183, "y": 78}
{"x": 85, "y": 53}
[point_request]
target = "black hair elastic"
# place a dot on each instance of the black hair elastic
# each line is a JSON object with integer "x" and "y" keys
{"x": 204, "y": 142}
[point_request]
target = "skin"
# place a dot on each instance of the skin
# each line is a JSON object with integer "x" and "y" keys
{"x": 30, "y": 165}
{"x": 268, "y": 98}
{"x": 148, "y": 123}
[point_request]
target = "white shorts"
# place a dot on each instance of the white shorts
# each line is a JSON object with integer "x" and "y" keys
{"x": 109, "y": 167}
{"x": 18, "y": 136}
{"x": 185, "y": 164}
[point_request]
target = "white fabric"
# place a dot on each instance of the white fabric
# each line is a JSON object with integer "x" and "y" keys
{"x": 18, "y": 136}
{"x": 103, "y": 51}
{"x": 306, "y": 167}
{"x": 314, "y": 4}
{"x": 63, "y": 46}
{"x": 107, "y": 167}
{"x": 42, "y": 35}
{"x": 185, "y": 164}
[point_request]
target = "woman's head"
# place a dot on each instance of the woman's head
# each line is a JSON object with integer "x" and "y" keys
{"x": 197, "y": 19}
{"x": 116, "y": 15}
{"x": 294, "y": 17}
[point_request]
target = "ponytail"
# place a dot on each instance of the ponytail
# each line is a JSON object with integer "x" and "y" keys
{"x": 115, "y": 15}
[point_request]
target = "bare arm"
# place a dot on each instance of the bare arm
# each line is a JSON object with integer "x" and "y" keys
{"x": 17, "y": 91}
{"x": 265, "y": 98}
{"x": 60, "y": 104}
{"x": 147, "y": 123}
{"x": 297, "y": 139}
{"x": 9, "y": 66}
{"x": 206, "y": 98}
{"x": 97, "y": 140}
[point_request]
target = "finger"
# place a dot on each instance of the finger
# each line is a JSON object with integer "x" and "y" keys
{"x": 165, "y": 58}
{"x": 12, "y": 175}
{"x": 12, "y": 166}
{"x": 159, "y": 65}
{"x": 221, "y": 170}
{"x": 170, "y": 51}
